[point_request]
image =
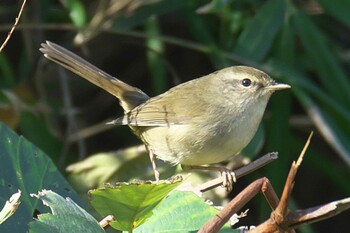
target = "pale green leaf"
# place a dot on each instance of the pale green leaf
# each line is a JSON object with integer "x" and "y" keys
{"x": 180, "y": 212}
{"x": 131, "y": 203}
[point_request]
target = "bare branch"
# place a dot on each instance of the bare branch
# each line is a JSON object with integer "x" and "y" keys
{"x": 13, "y": 27}
{"x": 319, "y": 213}
{"x": 215, "y": 224}
{"x": 281, "y": 210}
{"x": 260, "y": 162}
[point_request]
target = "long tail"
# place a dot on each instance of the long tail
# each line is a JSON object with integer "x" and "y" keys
{"x": 129, "y": 96}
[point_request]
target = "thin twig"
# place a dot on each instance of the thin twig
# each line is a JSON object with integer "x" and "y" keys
{"x": 281, "y": 210}
{"x": 301, "y": 157}
{"x": 13, "y": 27}
{"x": 256, "y": 164}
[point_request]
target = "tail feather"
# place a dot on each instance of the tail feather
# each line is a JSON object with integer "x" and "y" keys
{"x": 129, "y": 96}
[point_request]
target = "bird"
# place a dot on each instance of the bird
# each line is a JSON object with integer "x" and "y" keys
{"x": 200, "y": 122}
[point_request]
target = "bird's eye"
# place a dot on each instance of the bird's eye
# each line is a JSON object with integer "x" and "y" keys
{"x": 246, "y": 82}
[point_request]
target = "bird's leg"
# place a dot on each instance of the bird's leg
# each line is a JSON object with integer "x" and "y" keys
{"x": 228, "y": 175}
{"x": 152, "y": 157}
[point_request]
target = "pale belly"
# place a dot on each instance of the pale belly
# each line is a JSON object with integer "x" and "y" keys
{"x": 180, "y": 144}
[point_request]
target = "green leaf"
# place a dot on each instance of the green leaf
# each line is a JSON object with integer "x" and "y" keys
{"x": 179, "y": 212}
{"x": 76, "y": 12}
{"x": 257, "y": 38}
{"x": 131, "y": 203}
{"x": 285, "y": 49}
{"x": 323, "y": 61}
{"x": 337, "y": 136}
{"x": 140, "y": 16}
{"x": 215, "y": 6}
{"x": 37, "y": 131}
{"x": 199, "y": 29}
{"x": 7, "y": 73}
{"x": 66, "y": 216}
{"x": 155, "y": 55}
{"x": 24, "y": 167}
{"x": 338, "y": 8}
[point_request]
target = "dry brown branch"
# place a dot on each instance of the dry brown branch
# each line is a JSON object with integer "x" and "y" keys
{"x": 262, "y": 184}
{"x": 281, "y": 210}
{"x": 281, "y": 219}
{"x": 319, "y": 213}
{"x": 296, "y": 218}
{"x": 13, "y": 27}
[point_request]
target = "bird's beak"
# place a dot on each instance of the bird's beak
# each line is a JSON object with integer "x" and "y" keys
{"x": 277, "y": 86}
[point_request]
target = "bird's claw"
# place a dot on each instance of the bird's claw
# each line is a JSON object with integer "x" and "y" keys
{"x": 229, "y": 178}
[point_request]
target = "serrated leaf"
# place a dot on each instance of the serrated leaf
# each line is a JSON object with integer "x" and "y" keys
{"x": 23, "y": 166}
{"x": 66, "y": 216}
{"x": 130, "y": 203}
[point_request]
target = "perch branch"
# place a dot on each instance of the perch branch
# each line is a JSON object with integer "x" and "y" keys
{"x": 260, "y": 162}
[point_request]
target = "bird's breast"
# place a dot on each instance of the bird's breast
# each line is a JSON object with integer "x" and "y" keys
{"x": 206, "y": 139}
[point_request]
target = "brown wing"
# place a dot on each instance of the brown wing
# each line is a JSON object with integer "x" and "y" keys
{"x": 152, "y": 113}
{"x": 179, "y": 105}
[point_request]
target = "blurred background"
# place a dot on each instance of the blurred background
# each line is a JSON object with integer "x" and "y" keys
{"x": 156, "y": 44}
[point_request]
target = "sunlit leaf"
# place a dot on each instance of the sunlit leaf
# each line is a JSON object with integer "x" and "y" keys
{"x": 131, "y": 203}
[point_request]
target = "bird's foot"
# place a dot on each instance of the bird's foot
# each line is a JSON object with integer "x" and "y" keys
{"x": 229, "y": 178}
